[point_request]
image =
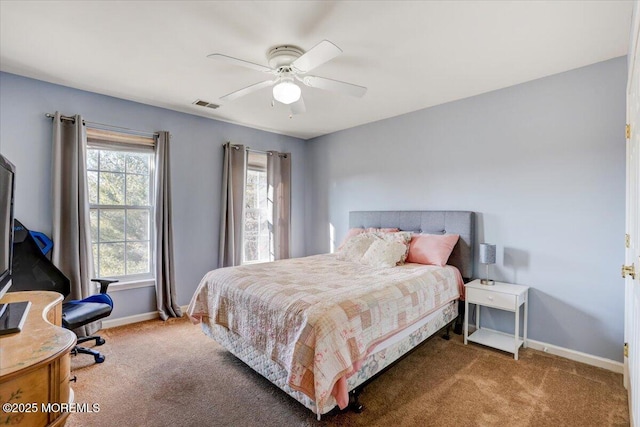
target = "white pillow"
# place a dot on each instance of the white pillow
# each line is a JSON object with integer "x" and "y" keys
{"x": 384, "y": 253}
{"x": 356, "y": 247}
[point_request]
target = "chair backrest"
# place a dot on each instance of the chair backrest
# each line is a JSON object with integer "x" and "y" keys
{"x": 32, "y": 270}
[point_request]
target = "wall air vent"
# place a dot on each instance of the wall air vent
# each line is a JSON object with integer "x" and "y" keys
{"x": 202, "y": 103}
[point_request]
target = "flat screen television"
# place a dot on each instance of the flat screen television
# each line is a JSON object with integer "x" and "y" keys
{"x": 13, "y": 315}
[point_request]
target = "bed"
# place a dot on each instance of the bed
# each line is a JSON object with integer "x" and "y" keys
{"x": 319, "y": 327}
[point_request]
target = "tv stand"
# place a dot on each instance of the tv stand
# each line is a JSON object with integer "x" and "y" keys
{"x": 13, "y": 316}
{"x": 35, "y": 364}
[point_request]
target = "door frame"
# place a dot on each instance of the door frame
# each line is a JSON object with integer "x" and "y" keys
{"x": 632, "y": 223}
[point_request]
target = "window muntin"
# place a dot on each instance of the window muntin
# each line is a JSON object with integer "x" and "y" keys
{"x": 121, "y": 211}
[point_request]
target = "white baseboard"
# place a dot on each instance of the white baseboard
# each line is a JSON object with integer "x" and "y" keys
{"x": 121, "y": 321}
{"x": 127, "y": 320}
{"x": 567, "y": 353}
{"x": 589, "y": 359}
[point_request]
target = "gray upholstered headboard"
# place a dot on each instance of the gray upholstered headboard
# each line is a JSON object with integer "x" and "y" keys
{"x": 429, "y": 222}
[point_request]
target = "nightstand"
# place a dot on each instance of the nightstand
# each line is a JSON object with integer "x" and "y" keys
{"x": 503, "y": 296}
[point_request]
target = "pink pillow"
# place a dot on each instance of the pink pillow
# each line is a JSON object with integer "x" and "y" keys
{"x": 352, "y": 232}
{"x": 432, "y": 249}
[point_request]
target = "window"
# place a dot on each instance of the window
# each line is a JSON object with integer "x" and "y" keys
{"x": 257, "y": 233}
{"x": 120, "y": 180}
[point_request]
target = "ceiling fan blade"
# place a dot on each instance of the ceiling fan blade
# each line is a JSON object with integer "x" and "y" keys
{"x": 317, "y": 55}
{"x": 240, "y": 62}
{"x": 298, "y": 107}
{"x": 334, "y": 85}
{"x": 247, "y": 90}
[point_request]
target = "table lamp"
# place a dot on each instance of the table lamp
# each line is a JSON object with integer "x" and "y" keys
{"x": 487, "y": 257}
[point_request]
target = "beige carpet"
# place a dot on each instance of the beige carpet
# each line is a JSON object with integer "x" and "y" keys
{"x": 171, "y": 374}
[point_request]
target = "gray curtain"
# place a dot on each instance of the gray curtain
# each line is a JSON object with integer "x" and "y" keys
{"x": 71, "y": 227}
{"x": 165, "y": 276}
{"x": 279, "y": 194}
{"x": 231, "y": 219}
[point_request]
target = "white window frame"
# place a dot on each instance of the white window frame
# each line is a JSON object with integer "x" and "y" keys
{"x": 121, "y": 142}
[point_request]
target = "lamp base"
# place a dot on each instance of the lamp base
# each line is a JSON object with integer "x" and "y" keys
{"x": 487, "y": 282}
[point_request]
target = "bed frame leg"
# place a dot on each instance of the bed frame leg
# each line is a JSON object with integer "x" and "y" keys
{"x": 354, "y": 403}
{"x": 460, "y": 319}
{"x": 446, "y": 335}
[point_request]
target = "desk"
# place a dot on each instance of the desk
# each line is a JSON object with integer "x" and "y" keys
{"x": 35, "y": 363}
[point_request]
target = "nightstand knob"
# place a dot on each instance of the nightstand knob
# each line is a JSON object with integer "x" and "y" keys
{"x": 490, "y": 298}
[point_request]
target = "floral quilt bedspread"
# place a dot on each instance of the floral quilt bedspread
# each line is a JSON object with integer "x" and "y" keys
{"x": 318, "y": 316}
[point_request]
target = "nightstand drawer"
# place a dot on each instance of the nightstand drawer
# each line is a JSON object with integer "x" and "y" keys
{"x": 491, "y": 299}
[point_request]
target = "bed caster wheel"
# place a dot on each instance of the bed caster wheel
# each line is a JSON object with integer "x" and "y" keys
{"x": 357, "y": 408}
{"x": 99, "y": 358}
{"x": 100, "y": 341}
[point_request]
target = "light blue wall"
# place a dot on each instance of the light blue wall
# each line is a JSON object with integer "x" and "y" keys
{"x": 543, "y": 165}
{"x": 196, "y": 170}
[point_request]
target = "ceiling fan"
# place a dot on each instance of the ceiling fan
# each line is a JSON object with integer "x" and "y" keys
{"x": 290, "y": 64}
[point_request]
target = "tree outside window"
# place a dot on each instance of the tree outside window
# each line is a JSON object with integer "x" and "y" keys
{"x": 257, "y": 233}
{"x": 121, "y": 212}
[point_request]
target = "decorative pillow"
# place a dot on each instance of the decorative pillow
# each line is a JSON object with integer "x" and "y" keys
{"x": 403, "y": 237}
{"x": 355, "y": 247}
{"x": 384, "y": 254}
{"x": 432, "y": 249}
{"x": 382, "y": 230}
{"x": 351, "y": 233}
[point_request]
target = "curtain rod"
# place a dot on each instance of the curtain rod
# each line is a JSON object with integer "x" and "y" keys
{"x": 107, "y": 127}
{"x": 268, "y": 153}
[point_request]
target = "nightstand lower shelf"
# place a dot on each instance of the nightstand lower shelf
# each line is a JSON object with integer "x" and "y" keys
{"x": 495, "y": 339}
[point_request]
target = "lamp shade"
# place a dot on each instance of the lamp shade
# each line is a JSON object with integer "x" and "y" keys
{"x": 487, "y": 253}
{"x": 286, "y": 92}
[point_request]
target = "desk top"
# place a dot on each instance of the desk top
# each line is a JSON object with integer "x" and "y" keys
{"x": 39, "y": 341}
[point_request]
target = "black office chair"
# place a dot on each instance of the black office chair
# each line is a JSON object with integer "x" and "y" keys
{"x": 77, "y": 313}
{"x": 33, "y": 271}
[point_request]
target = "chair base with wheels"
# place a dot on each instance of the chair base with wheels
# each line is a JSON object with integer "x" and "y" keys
{"x": 77, "y": 313}
{"x": 97, "y": 356}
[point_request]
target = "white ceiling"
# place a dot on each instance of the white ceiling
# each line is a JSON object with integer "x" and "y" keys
{"x": 410, "y": 55}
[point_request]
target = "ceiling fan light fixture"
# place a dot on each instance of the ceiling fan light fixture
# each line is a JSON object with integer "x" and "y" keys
{"x": 286, "y": 92}
{"x": 290, "y": 65}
